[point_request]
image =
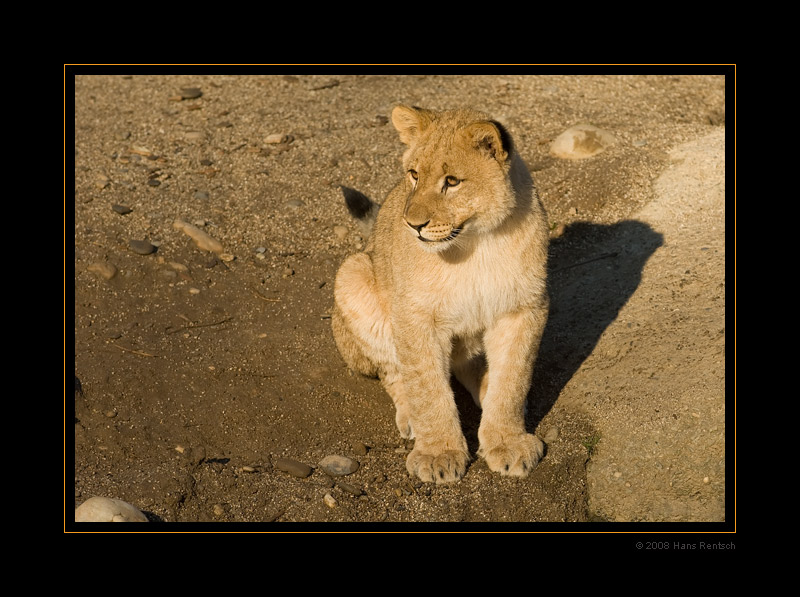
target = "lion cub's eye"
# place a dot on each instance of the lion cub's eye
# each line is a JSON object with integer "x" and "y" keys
{"x": 451, "y": 181}
{"x": 413, "y": 174}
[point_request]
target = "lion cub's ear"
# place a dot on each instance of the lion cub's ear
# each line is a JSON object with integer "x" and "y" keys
{"x": 410, "y": 122}
{"x": 491, "y": 138}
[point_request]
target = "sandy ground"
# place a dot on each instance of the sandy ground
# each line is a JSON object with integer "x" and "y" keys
{"x": 196, "y": 373}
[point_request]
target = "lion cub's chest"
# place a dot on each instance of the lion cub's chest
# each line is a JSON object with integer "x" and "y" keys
{"x": 472, "y": 294}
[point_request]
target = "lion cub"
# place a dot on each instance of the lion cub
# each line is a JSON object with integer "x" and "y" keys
{"x": 452, "y": 281}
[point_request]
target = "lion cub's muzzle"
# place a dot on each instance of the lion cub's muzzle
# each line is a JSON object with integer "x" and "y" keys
{"x": 434, "y": 233}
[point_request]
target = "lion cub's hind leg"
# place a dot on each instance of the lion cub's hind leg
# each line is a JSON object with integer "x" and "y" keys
{"x": 363, "y": 332}
{"x": 468, "y": 364}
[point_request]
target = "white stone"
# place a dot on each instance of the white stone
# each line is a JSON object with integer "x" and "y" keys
{"x": 581, "y": 141}
{"x": 102, "y": 509}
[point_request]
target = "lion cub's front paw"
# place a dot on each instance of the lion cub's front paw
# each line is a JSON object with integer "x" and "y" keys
{"x": 437, "y": 467}
{"x": 515, "y": 456}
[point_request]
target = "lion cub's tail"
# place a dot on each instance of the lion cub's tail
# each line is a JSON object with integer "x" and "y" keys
{"x": 362, "y": 208}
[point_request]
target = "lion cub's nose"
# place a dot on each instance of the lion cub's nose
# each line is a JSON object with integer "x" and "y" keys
{"x": 418, "y": 227}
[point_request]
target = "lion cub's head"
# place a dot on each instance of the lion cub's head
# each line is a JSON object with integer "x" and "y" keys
{"x": 458, "y": 166}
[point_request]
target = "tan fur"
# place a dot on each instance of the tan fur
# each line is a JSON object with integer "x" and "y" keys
{"x": 453, "y": 280}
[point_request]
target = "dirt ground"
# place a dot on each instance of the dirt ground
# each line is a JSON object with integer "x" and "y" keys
{"x": 196, "y": 372}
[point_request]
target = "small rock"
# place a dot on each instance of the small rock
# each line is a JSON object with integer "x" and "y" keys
{"x": 105, "y": 270}
{"x": 277, "y": 138}
{"x": 191, "y": 93}
{"x": 201, "y": 238}
{"x": 330, "y": 501}
{"x": 295, "y": 203}
{"x": 340, "y": 232}
{"x": 102, "y": 181}
{"x": 102, "y": 509}
{"x": 551, "y": 435}
{"x": 351, "y": 489}
{"x": 338, "y": 466}
{"x": 293, "y": 467}
{"x": 142, "y": 247}
{"x": 121, "y": 209}
{"x": 139, "y": 150}
{"x": 200, "y": 195}
{"x": 153, "y": 182}
{"x": 360, "y": 448}
{"x": 219, "y": 510}
{"x": 581, "y": 141}
{"x": 178, "y": 267}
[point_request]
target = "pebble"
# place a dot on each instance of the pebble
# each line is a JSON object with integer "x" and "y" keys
{"x": 293, "y": 467}
{"x": 330, "y": 501}
{"x": 121, "y": 209}
{"x": 191, "y": 93}
{"x": 142, "y": 247}
{"x": 338, "y": 466}
{"x": 202, "y": 239}
{"x": 139, "y": 150}
{"x": 581, "y": 141}
{"x": 102, "y": 181}
{"x": 105, "y": 270}
{"x": 153, "y": 182}
{"x": 201, "y": 195}
{"x": 102, "y": 509}
{"x": 295, "y": 203}
{"x": 360, "y": 448}
{"x": 178, "y": 267}
{"x": 340, "y": 231}
{"x": 193, "y": 136}
{"x": 351, "y": 489}
{"x": 277, "y": 138}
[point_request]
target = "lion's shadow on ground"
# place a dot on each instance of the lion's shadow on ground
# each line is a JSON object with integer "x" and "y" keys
{"x": 593, "y": 271}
